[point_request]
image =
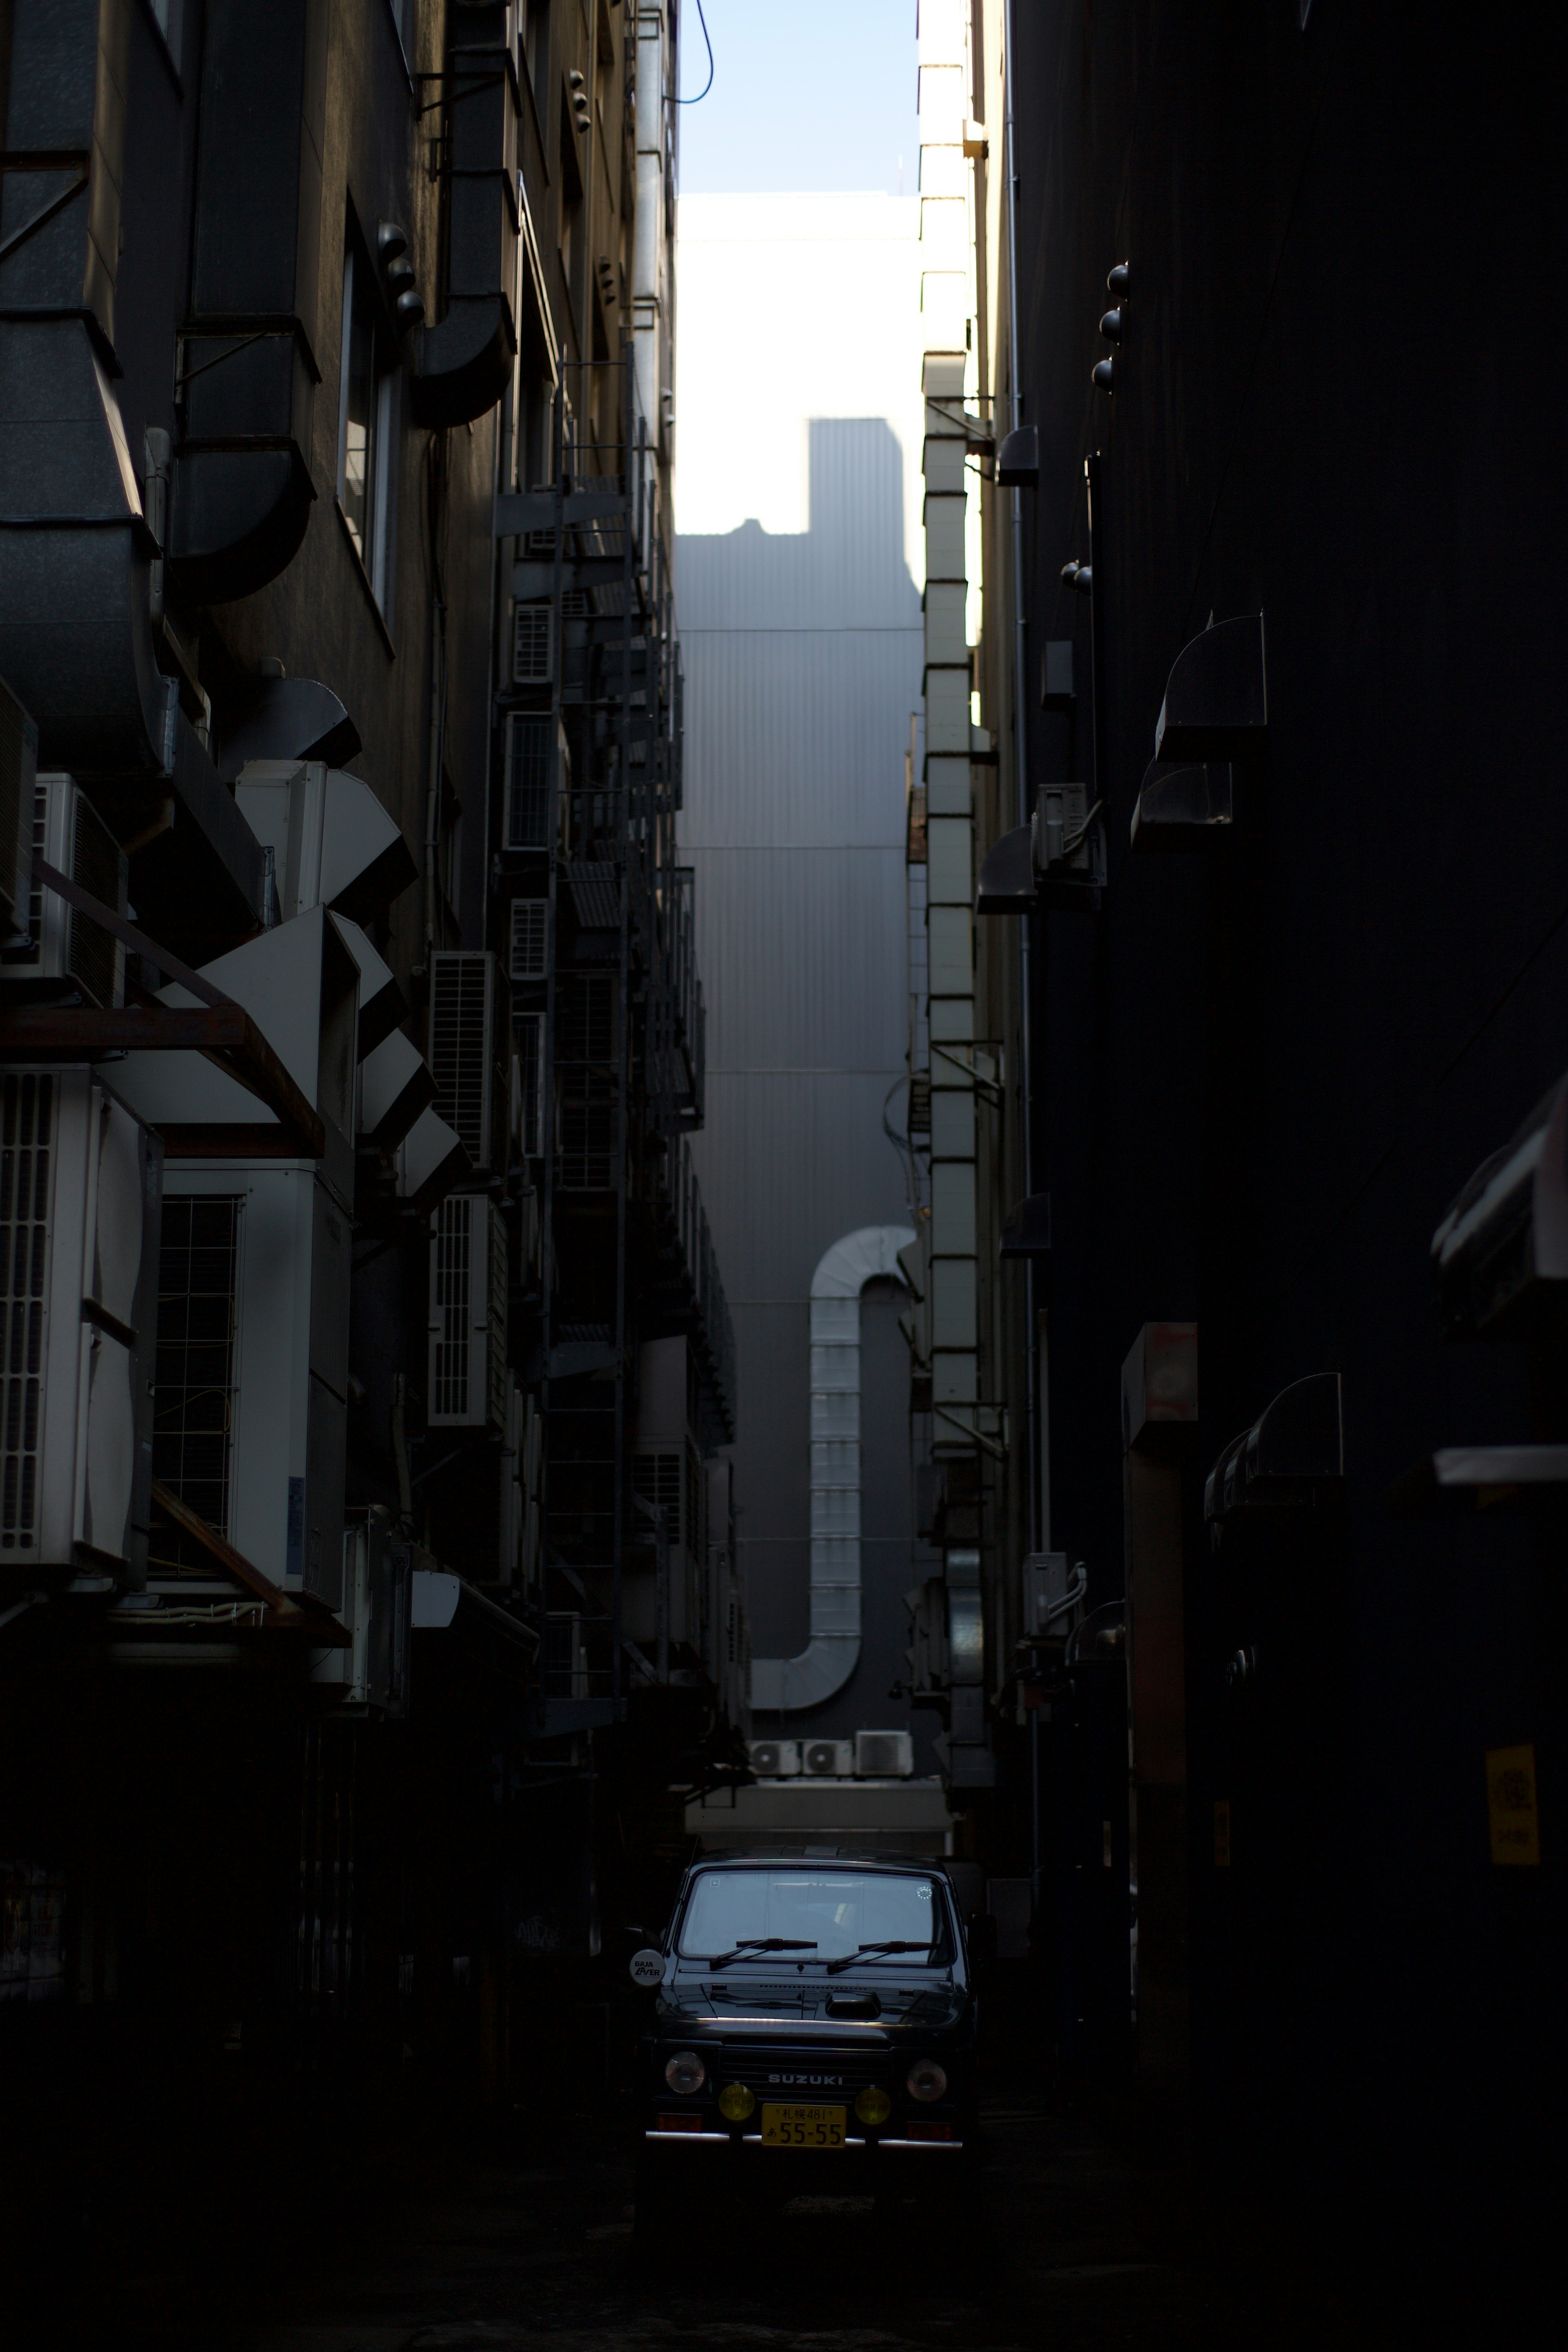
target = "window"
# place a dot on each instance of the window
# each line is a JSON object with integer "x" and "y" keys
{"x": 534, "y": 41}
{"x": 365, "y": 424}
{"x": 586, "y": 1113}
{"x": 528, "y": 937}
{"x": 531, "y": 649}
{"x": 656, "y": 1480}
{"x": 832, "y": 1914}
{"x": 585, "y": 1018}
{"x": 528, "y": 1029}
{"x": 527, "y": 749}
{"x": 192, "y": 1410}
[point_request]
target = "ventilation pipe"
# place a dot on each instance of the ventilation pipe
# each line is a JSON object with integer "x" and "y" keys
{"x": 651, "y": 312}
{"x": 249, "y": 368}
{"x": 784, "y": 1686}
{"x": 76, "y": 551}
{"x": 465, "y": 363}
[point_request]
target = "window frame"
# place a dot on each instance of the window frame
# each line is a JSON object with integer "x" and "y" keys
{"x": 378, "y": 562}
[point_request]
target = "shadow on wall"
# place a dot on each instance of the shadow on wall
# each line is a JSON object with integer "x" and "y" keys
{"x": 846, "y": 570}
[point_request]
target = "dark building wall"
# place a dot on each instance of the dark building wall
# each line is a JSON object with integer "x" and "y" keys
{"x": 1264, "y": 1073}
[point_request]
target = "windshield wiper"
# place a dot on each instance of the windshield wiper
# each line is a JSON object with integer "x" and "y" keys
{"x": 835, "y": 1967}
{"x": 764, "y": 1944}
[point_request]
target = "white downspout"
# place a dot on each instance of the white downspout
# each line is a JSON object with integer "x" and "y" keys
{"x": 783, "y": 1686}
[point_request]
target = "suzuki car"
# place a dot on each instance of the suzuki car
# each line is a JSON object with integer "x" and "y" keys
{"x": 813, "y": 2026}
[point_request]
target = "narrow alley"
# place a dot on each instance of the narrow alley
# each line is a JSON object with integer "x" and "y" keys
{"x": 784, "y": 1175}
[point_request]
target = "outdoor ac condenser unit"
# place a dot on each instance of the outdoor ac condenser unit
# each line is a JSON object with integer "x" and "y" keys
{"x": 18, "y": 771}
{"x": 775, "y": 1760}
{"x": 826, "y": 1759}
{"x": 471, "y": 1052}
{"x": 884, "y": 1754}
{"x": 62, "y": 944}
{"x": 79, "y": 1307}
{"x": 468, "y": 1379}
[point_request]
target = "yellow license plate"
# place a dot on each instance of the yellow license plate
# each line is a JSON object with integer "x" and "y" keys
{"x": 803, "y": 2126}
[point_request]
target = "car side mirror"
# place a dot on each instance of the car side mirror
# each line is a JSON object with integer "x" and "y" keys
{"x": 646, "y": 1968}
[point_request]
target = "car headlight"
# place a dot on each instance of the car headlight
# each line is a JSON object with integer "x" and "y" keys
{"x": 874, "y": 2106}
{"x": 686, "y": 2074}
{"x": 735, "y": 2103}
{"x": 927, "y": 2079}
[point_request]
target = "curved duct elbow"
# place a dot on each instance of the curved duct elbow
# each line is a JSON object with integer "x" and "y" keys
{"x": 240, "y": 518}
{"x": 784, "y": 1686}
{"x": 243, "y": 490}
{"x": 465, "y": 363}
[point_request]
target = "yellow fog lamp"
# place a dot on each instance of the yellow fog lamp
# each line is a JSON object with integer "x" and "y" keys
{"x": 873, "y": 2107}
{"x": 735, "y": 2103}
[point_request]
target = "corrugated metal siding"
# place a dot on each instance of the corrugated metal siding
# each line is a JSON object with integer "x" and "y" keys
{"x": 801, "y": 737}
{"x": 836, "y": 915}
{"x": 803, "y": 662}
{"x": 789, "y": 1164}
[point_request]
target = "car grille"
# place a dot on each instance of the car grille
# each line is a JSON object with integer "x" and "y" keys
{"x": 852, "y": 2068}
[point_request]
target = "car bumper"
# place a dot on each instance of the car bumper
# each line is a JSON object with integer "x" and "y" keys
{"x": 885, "y": 2143}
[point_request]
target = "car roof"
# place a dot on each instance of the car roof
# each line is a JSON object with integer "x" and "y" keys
{"x": 843, "y": 1857}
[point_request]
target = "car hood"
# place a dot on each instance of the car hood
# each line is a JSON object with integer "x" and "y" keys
{"x": 837, "y": 2003}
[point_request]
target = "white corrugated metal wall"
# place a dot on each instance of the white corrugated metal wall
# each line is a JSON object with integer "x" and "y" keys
{"x": 803, "y": 650}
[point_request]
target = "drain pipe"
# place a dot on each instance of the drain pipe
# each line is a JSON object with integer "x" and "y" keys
{"x": 1038, "y": 1472}
{"x": 1035, "y": 1363}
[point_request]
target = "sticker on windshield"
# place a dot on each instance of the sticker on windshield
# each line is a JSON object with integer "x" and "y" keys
{"x": 922, "y": 1893}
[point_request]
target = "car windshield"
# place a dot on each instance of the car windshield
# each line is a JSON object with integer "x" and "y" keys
{"x": 815, "y": 1915}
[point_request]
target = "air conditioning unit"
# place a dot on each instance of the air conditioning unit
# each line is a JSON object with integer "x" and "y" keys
{"x": 79, "y": 1307}
{"x": 536, "y": 755}
{"x": 18, "y": 775}
{"x": 252, "y": 1406}
{"x": 532, "y": 645}
{"x": 378, "y": 1583}
{"x": 470, "y": 1052}
{"x": 468, "y": 1379}
{"x": 830, "y": 1759}
{"x": 775, "y": 1760}
{"x": 530, "y": 938}
{"x": 884, "y": 1754}
{"x": 63, "y": 944}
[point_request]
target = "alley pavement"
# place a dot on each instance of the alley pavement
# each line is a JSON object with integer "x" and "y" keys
{"x": 1073, "y": 2246}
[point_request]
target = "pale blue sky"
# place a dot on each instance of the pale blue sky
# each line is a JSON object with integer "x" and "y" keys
{"x": 817, "y": 95}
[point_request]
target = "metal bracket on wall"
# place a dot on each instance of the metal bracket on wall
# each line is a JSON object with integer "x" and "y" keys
{"x": 990, "y": 1083}
{"x": 996, "y": 1446}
